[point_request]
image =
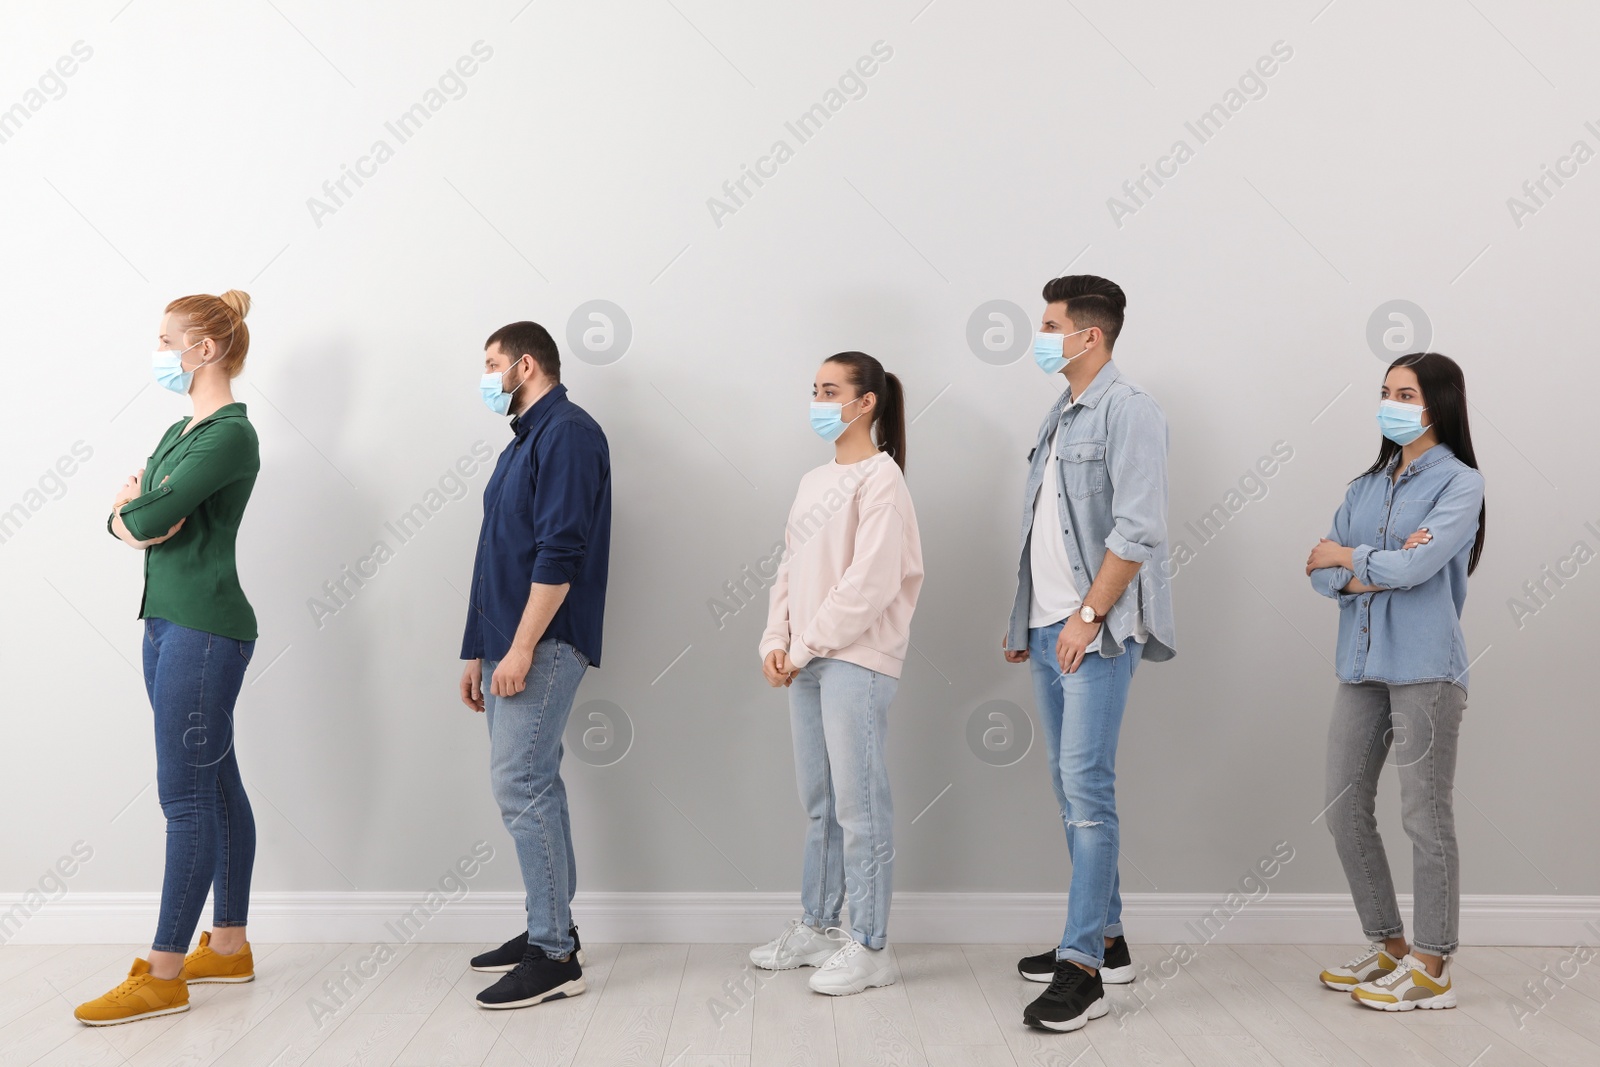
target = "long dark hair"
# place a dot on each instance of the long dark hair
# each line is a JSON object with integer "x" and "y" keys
{"x": 889, "y": 416}
{"x": 1444, "y": 394}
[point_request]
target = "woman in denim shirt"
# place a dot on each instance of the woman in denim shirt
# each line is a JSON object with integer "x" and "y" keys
{"x": 1409, "y": 532}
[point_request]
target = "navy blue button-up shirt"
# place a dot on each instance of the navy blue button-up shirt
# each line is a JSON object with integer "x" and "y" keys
{"x": 546, "y": 520}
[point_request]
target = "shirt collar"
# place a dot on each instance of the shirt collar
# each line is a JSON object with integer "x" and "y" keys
{"x": 1432, "y": 454}
{"x": 1097, "y": 388}
{"x": 521, "y": 424}
{"x": 227, "y": 411}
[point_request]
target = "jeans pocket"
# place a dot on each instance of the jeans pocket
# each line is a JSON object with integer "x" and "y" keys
{"x": 247, "y": 649}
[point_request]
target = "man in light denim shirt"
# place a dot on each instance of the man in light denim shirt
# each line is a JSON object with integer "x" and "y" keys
{"x": 1092, "y": 600}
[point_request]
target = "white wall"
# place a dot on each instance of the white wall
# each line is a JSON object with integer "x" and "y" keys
{"x": 576, "y": 165}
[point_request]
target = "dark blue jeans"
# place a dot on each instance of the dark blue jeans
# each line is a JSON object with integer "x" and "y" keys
{"x": 193, "y": 679}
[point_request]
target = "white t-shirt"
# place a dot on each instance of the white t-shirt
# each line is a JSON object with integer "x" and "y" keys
{"x": 1054, "y": 593}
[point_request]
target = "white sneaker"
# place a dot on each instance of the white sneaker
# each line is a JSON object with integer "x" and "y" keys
{"x": 853, "y": 968}
{"x": 1408, "y": 986}
{"x": 798, "y": 946}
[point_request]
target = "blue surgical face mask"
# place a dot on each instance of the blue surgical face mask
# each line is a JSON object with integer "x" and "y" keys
{"x": 169, "y": 370}
{"x": 1047, "y": 349}
{"x": 1400, "y": 423}
{"x": 493, "y": 390}
{"x": 827, "y": 419}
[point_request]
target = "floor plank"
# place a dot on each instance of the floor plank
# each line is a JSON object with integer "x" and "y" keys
{"x": 319, "y": 1005}
{"x": 946, "y": 999}
{"x": 791, "y": 1025}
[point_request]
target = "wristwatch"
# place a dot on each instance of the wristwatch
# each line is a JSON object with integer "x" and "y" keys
{"x": 1087, "y": 614}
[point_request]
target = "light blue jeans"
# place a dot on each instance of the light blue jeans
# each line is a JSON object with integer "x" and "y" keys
{"x": 525, "y": 769}
{"x": 839, "y": 712}
{"x": 1081, "y": 717}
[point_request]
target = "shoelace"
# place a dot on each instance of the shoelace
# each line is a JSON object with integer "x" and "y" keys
{"x": 1396, "y": 976}
{"x": 128, "y": 986}
{"x": 1067, "y": 977}
{"x": 783, "y": 939}
{"x": 1372, "y": 950}
{"x": 848, "y": 949}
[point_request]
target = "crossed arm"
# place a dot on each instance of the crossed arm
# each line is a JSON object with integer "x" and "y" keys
{"x": 1337, "y": 568}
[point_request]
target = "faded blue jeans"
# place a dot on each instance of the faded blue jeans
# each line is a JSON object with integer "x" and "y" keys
{"x": 525, "y": 752}
{"x": 1081, "y": 717}
{"x": 193, "y": 679}
{"x": 839, "y": 713}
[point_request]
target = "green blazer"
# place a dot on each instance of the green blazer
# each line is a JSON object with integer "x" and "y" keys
{"x": 204, "y": 476}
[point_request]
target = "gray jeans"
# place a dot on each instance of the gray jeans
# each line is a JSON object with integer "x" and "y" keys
{"x": 1421, "y": 722}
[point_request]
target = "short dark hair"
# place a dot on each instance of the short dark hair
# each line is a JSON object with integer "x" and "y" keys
{"x": 528, "y": 339}
{"x": 1091, "y": 301}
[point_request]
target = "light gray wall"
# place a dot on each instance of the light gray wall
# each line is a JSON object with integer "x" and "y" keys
{"x": 577, "y": 166}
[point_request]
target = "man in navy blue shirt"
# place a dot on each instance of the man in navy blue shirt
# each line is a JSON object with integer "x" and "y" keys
{"x": 533, "y": 627}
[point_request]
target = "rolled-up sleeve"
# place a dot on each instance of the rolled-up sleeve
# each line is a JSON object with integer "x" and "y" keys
{"x": 1136, "y": 460}
{"x": 573, "y": 469}
{"x": 1453, "y": 522}
{"x": 1329, "y": 581}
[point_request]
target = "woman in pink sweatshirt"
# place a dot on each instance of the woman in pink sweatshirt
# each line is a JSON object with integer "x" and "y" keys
{"x": 837, "y": 632}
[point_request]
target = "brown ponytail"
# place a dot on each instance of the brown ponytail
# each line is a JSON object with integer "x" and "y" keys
{"x": 889, "y": 415}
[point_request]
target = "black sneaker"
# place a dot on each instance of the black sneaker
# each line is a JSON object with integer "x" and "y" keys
{"x": 1075, "y": 996}
{"x": 536, "y": 979}
{"x": 1040, "y": 968}
{"x": 508, "y": 955}
{"x": 1116, "y": 970}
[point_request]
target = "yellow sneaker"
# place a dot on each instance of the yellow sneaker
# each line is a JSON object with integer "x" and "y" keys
{"x": 203, "y": 966}
{"x": 142, "y": 996}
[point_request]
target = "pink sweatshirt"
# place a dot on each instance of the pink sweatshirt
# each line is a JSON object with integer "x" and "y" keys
{"x": 851, "y": 570}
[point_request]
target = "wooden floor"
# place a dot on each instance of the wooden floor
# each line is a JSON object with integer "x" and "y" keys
{"x": 682, "y": 1005}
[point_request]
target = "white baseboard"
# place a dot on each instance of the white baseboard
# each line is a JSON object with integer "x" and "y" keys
{"x": 961, "y": 918}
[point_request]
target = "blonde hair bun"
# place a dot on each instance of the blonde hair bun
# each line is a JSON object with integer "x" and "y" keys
{"x": 238, "y": 300}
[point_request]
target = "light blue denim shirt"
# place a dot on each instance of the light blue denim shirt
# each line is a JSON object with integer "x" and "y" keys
{"x": 1410, "y": 630}
{"x": 1112, "y": 474}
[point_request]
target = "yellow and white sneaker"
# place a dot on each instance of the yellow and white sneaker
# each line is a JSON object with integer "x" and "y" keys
{"x": 205, "y": 965}
{"x": 142, "y": 996}
{"x": 1367, "y": 967}
{"x": 1408, "y": 986}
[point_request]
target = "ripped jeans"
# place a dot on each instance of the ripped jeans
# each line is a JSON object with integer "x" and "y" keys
{"x": 1081, "y": 717}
